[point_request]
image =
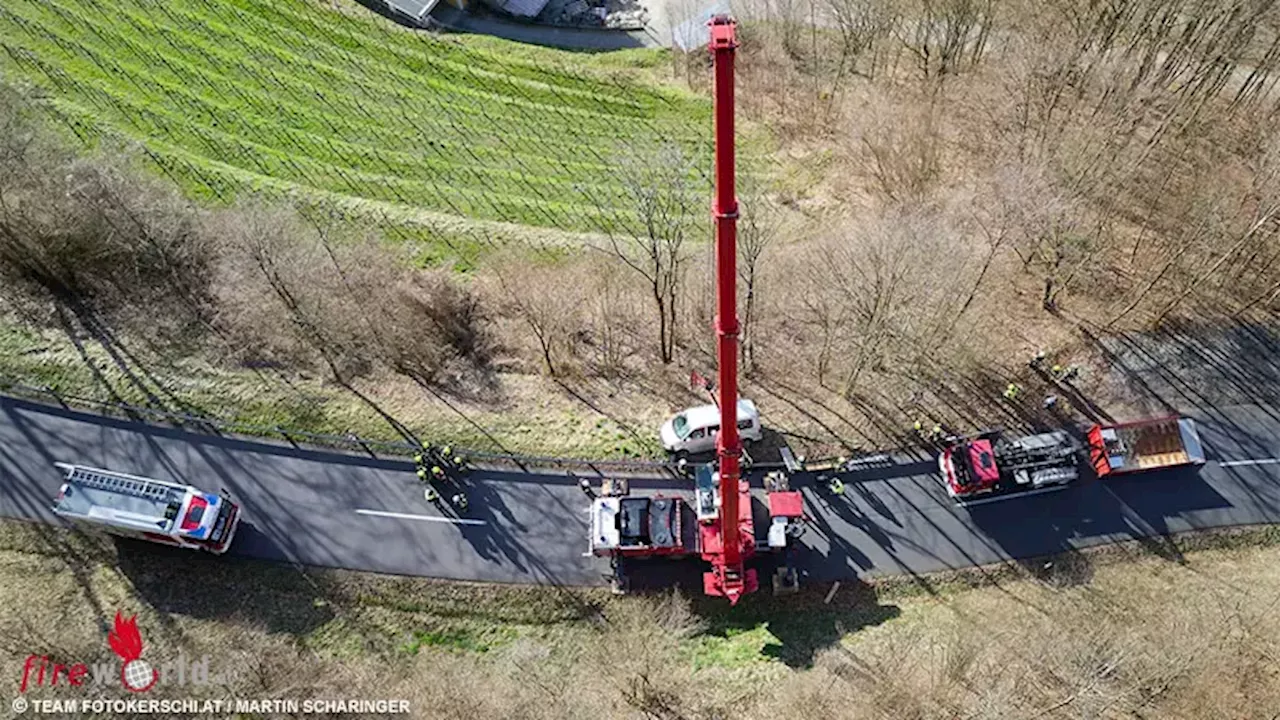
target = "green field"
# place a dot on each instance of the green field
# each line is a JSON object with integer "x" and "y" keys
{"x": 405, "y": 129}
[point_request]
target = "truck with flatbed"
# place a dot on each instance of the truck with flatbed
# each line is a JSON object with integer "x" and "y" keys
{"x": 990, "y": 464}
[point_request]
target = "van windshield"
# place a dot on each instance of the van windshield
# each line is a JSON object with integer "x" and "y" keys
{"x": 681, "y": 426}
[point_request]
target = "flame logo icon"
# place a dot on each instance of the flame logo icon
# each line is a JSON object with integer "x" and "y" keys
{"x": 135, "y": 674}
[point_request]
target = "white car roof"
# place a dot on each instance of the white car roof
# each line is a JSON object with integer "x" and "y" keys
{"x": 708, "y": 415}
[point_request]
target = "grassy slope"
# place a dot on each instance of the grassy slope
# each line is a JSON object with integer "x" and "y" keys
{"x": 1107, "y": 634}
{"x": 291, "y": 96}
{"x": 549, "y": 422}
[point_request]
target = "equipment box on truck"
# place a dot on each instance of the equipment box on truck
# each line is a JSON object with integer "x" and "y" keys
{"x": 638, "y": 526}
{"x": 1144, "y": 445}
{"x": 147, "y": 509}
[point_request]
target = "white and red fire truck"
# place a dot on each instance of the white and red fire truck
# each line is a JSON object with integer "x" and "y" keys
{"x": 147, "y": 509}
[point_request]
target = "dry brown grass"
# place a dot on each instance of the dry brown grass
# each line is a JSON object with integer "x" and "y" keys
{"x": 1118, "y": 633}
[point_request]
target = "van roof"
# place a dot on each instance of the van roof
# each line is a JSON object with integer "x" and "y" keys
{"x": 708, "y": 415}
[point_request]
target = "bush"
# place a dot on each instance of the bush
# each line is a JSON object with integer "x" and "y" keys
{"x": 93, "y": 234}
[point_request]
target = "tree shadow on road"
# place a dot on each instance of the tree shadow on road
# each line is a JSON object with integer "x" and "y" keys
{"x": 1199, "y": 368}
{"x": 1138, "y": 508}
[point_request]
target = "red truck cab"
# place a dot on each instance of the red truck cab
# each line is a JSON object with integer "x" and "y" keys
{"x": 969, "y": 468}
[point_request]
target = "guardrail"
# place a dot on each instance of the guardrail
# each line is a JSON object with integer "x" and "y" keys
{"x": 201, "y": 423}
{"x": 205, "y": 424}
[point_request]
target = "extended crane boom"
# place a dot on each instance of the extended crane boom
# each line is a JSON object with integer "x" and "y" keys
{"x": 725, "y": 544}
{"x": 624, "y": 527}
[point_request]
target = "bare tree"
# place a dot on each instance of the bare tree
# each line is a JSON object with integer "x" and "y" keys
{"x": 545, "y": 299}
{"x": 668, "y": 201}
{"x": 885, "y": 295}
{"x": 757, "y": 229}
{"x": 94, "y": 233}
{"x": 901, "y": 147}
{"x": 608, "y": 313}
{"x": 1054, "y": 236}
{"x": 862, "y": 25}
{"x": 1263, "y": 226}
{"x": 944, "y": 35}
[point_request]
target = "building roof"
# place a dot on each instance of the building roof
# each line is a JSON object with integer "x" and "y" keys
{"x": 416, "y": 9}
{"x": 524, "y": 8}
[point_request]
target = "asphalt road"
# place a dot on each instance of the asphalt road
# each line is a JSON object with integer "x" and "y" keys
{"x": 330, "y": 509}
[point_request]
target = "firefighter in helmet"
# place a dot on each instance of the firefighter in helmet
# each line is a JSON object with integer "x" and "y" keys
{"x": 836, "y": 486}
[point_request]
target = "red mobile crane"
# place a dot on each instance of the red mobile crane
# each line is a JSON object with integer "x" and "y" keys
{"x": 728, "y": 540}
{"x": 724, "y": 532}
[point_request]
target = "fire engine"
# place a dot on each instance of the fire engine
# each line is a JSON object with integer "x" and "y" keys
{"x": 147, "y": 509}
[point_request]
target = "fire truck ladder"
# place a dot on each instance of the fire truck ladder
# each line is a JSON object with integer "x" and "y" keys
{"x": 123, "y": 484}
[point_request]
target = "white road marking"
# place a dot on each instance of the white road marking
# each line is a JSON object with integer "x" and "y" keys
{"x": 1264, "y": 461}
{"x": 428, "y": 518}
{"x": 1011, "y": 496}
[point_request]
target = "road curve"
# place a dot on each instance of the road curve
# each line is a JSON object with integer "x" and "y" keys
{"x": 331, "y": 509}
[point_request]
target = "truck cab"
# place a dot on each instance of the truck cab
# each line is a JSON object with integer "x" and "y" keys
{"x": 968, "y": 468}
{"x": 206, "y": 519}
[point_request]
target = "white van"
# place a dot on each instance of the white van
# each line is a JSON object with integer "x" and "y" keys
{"x": 695, "y": 430}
